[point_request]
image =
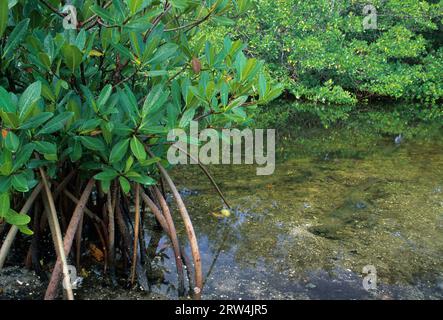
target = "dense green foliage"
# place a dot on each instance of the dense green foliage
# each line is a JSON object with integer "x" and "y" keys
{"x": 96, "y": 97}
{"x": 322, "y": 53}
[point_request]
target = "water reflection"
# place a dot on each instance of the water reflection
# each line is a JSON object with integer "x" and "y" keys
{"x": 337, "y": 202}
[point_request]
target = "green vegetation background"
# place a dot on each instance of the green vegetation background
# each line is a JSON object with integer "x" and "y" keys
{"x": 332, "y": 68}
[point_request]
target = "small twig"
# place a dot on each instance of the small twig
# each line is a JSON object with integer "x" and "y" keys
{"x": 107, "y": 4}
{"x": 157, "y": 21}
{"x": 53, "y": 9}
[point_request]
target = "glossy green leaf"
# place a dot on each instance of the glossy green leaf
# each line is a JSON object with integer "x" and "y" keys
{"x": 125, "y": 185}
{"x": 4, "y": 204}
{"x": 138, "y": 149}
{"x": 119, "y": 151}
{"x": 20, "y": 182}
{"x": 56, "y": 124}
{"x": 17, "y": 219}
{"x": 28, "y": 99}
{"x": 12, "y": 142}
{"x": 16, "y": 36}
{"x": 72, "y": 56}
{"x": 4, "y": 12}
{"x": 106, "y": 175}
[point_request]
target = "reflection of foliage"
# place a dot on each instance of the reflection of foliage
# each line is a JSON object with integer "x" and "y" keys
{"x": 369, "y": 200}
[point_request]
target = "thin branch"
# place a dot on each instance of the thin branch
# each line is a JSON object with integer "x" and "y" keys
{"x": 95, "y": 16}
{"x": 157, "y": 21}
{"x": 53, "y": 9}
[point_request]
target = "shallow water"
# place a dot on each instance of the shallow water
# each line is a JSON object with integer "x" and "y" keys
{"x": 338, "y": 201}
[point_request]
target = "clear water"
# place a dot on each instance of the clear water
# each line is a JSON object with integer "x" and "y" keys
{"x": 338, "y": 201}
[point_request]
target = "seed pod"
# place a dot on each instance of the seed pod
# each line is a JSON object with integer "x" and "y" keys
{"x": 196, "y": 65}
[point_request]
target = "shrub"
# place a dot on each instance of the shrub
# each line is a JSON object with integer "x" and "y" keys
{"x": 98, "y": 100}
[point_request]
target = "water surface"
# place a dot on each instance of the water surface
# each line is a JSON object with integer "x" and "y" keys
{"x": 338, "y": 201}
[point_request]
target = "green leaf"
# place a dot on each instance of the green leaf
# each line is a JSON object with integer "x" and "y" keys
{"x": 119, "y": 151}
{"x": 237, "y": 102}
{"x": 144, "y": 180}
{"x": 262, "y": 86}
{"x": 134, "y": 5}
{"x": 104, "y": 96}
{"x": 106, "y": 175}
{"x": 4, "y": 204}
{"x": 102, "y": 13}
{"x": 5, "y": 184}
{"x": 20, "y": 182}
{"x": 23, "y": 156}
{"x": 17, "y": 219}
{"x": 129, "y": 163}
{"x": 4, "y": 12}
{"x": 35, "y": 122}
{"x": 45, "y": 147}
{"x": 25, "y": 230}
{"x": 148, "y": 162}
{"x": 187, "y": 117}
{"x": 124, "y": 183}
{"x": 16, "y": 36}
{"x": 93, "y": 143}
{"x": 138, "y": 149}
{"x": 6, "y": 103}
{"x": 28, "y": 99}
{"x": 224, "y": 94}
{"x": 72, "y": 56}
{"x": 10, "y": 119}
{"x": 163, "y": 53}
{"x": 56, "y": 123}
{"x": 224, "y": 21}
{"x": 12, "y": 142}
{"x": 155, "y": 100}
{"x": 180, "y": 4}
{"x": 77, "y": 151}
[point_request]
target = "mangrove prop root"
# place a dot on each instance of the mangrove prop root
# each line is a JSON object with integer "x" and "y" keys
{"x": 78, "y": 242}
{"x": 57, "y": 234}
{"x": 187, "y": 264}
{"x": 136, "y": 231}
{"x": 111, "y": 232}
{"x": 158, "y": 215}
{"x": 123, "y": 229}
{"x": 6, "y": 246}
{"x": 69, "y": 237}
{"x": 58, "y": 190}
{"x": 189, "y": 230}
{"x": 174, "y": 240}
